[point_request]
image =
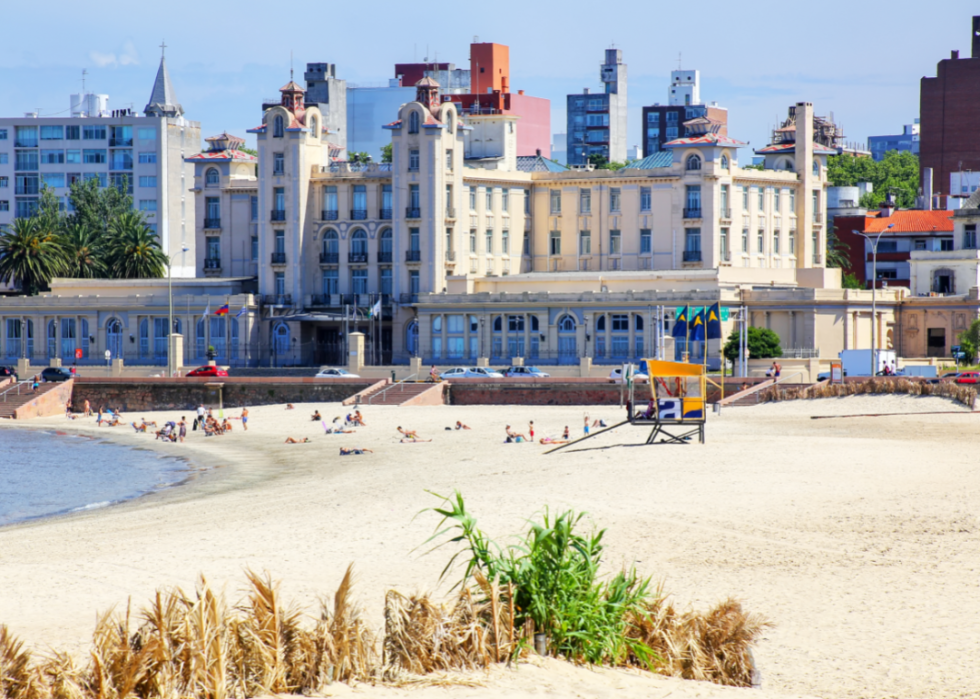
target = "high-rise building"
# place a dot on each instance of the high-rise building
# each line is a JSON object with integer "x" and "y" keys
{"x": 683, "y": 115}
{"x": 120, "y": 148}
{"x": 908, "y": 141}
{"x": 330, "y": 96}
{"x": 597, "y": 121}
{"x": 949, "y": 114}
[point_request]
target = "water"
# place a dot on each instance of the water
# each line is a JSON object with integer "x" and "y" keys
{"x": 44, "y": 473}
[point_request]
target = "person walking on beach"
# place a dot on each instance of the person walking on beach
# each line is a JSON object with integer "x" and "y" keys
{"x": 245, "y": 419}
{"x": 183, "y": 428}
{"x": 564, "y": 435}
{"x": 199, "y": 421}
{"x": 586, "y": 425}
{"x": 88, "y": 408}
{"x": 530, "y": 430}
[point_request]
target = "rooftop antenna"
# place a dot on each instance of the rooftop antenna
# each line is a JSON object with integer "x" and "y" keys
{"x": 290, "y": 65}
{"x": 84, "y": 73}
{"x": 679, "y": 55}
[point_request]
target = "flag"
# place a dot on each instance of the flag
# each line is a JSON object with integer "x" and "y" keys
{"x": 713, "y": 322}
{"x": 680, "y": 323}
{"x": 375, "y": 309}
{"x": 697, "y": 325}
{"x": 241, "y": 312}
{"x": 207, "y": 310}
{"x": 223, "y": 311}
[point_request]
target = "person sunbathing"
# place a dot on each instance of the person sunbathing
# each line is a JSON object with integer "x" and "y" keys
{"x": 514, "y": 437}
{"x": 359, "y": 419}
{"x": 338, "y": 428}
{"x": 138, "y": 428}
{"x": 411, "y": 436}
{"x": 461, "y": 426}
{"x": 289, "y": 406}
{"x": 552, "y": 440}
{"x": 148, "y": 424}
{"x": 293, "y": 440}
{"x": 316, "y": 417}
{"x": 345, "y": 451}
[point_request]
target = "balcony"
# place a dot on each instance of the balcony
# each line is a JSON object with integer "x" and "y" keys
{"x": 817, "y": 259}
{"x": 120, "y": 142}
{"x": 212, "y": 223}
{"x": 726, "y": 256}
{"x": 357, "y": 258}
{"x": 212, "y": 263}
{"x": 692, "y": 213}
{"x": 278, "y": 258}
{"x": 278, "y": 299}
{"x": 329, "y": 258}
{"x": 409, "y": 298}
{"x": 325, "y": 300}
{"x": 818, "y": 218}
{"x": 450, "y": 255}
{"x": 413, "y": 256}
{"x": 278, "y": 215}
{"x": 692, "y": 256}
{"x": 413, "y": 213}
{"x": 358, "y": 214}
{"x": 450, "y": 212}
{"x": 385, "y": 214}
{"x": 385, "y": 257}
{"x": 328, "y": 215}
{"x": 726, "y": 214}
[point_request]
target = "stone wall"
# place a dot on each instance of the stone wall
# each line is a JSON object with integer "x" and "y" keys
{"x": 51, "y": 402}
{"x": 533, "y": 392}
{"x": 187, "y": 393}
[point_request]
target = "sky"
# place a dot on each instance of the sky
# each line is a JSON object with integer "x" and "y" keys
{"x": 860, "y": 60}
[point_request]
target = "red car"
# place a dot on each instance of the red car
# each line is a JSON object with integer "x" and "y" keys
{"x": 208, "y": 371}
{"x": 968, "y": 377}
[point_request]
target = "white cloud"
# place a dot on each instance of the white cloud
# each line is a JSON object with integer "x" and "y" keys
{"x": 102, "y": 59}
{"x": 126, "y": 56}
{"x": 129, "y": 55}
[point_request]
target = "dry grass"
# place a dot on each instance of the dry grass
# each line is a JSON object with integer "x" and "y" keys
{"x": 956, "y": 392}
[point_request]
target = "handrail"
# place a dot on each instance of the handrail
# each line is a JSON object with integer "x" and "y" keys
{"x": 17, "y": 385}
{"x": 381, "y": 393}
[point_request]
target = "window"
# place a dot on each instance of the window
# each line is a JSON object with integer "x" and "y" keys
{"x": 725, "y": 256}
{"x": 282, "y": 333}
{"x": 693, "y": 163}
{"x": 792, "y": 201}
{"x": 554, "y": 243}
{"x": 761, "y": 241}
{"x": 692, "y": 243}
{"x": 26, "y": 208}
{"x": 148, "y": 158}
{"x": 970, "y": 236}
{"x": 280, "y": 242}
{"x": 93, "y": 132}
{"x": 585, "y": 243}
{"x": 646, "y": 246}
{"x": 671, "y": 133}
{"x": 653, "y": 117}
{"x": 28, "y": 160}
{"x": 73, "y": 133}
{"x": 816, "y": 248}
{"x": 724, "y": 201}
{"x": 27, "y": 184}
{"x": 615, "y": 242}
{"x": 330, "y": 282}
{"x": 93, "y": 157}
{"x": 413, "y": 160}
{"x": 585, "y": 201}
{"x": 414, "y": 240}
{"x": 413, "y": 281}
{"x": 73, "y": 157}
{"x": 148, "y": 204}
{"x": 505, "y": 200}
{"x": 146, "y": 134}
{"x": 279, "y": 199}
{"x": 414, "y": 198}
{"x": 278, "y": 130}
{"x": 386, "y": 281}
{"x": 672, "y": 118}
{"x": 278, "y": 164}
{"x": 358, "y": 281}
{"x": 745, "y": 199}
{"x": 211, "y": 177}
{"x": 314, "y": 131}
{"x": 527, "y": 201}
{"x": 52, "y": 157}
{"x": 489, "y": 199}
{"x": 945, "y": 244}
{"x": 724, "y": 162}
{"x": 745, "y": 240}
{"x": 3, "y": 158}
{"x": 26, "y": 136}
{"x": 212, "y": 208}
{"x": 4, "y": 205}
{"x": 472, "y": 240}
{"x": 52, "y": 133}
{"x": 472, "y": 198}
{"x": 330, "y": 202}
{"x": 449, "y": 159}
{"x": 4, "y": 182}
{"x": 775, "y": 242}
{"x": 505, "y": 242}
{"x": 556, "y": 201}
{"x": 761, "y": 198}
{"x": 646, "y": 199}
{"x": 53, "y": 179}
{"x": 120, "y": 136}
{"x": 489, "y": 240}
{"x": 360, "y": 200}
{"x": 693, "y": 199}
{"x": 3, "y": 134}
{"x": 102, "y": 178}
{"x": 254, "y": 205}
{"x": 413, "y": 122}
{"x": 214, "y": 248}
{"x": 792, "y": 242}
{"x": 121, "y": 160}
{"x": 614, "y": 199}
{"x": 148, "y": 181}
{"x": 255, "y": 248}
{"x": 816, "y": 207}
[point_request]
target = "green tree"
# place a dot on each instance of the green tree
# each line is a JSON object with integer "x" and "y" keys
{"x": 386, "y": 153}
{"x": 970, "y": 341}
{"x": 359, "y": 157}
{"x": 759, "y": 166}
{"x": 763, "y": 344}
{"x": 600, "y": 162}
{"x": 850, "y": 281}
{"x": 837, "y": 251}
{"x": 897, "y": 173}
{"x": 134, "y": 249}
{"x": 84, "y": 251}
{"x": 29, "y": 256}
{"x": 97, "y": 207}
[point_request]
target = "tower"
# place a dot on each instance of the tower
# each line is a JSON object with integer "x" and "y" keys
{"x": 163, "y": 99}
{"x": 427, "y": 93}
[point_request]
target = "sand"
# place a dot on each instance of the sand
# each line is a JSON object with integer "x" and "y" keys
{"x": 858, "y": 538}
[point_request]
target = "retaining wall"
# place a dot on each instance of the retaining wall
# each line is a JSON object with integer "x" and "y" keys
{"x": 51, "y": 402}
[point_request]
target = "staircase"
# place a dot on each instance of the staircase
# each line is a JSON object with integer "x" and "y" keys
{"x": 402, "y": 393}
{"x": 19, "y": 395}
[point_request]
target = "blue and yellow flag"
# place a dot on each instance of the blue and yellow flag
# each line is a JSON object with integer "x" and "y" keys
{"x": 697, "y": 325}
{"x": 680, "y": 322}
{"x": 713, "y": 322}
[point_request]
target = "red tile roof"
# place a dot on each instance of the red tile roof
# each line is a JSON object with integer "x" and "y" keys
{"x": 784, "y": 147}
{"x": 710, "y": 139}
{"x": 224, "y": 155}
{"x": 912, "y": 221}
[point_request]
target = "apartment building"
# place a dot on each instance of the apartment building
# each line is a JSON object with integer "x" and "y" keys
{"x": 597, "y": 121}
{"x": 146, "y": 152}
{"x": 683, "y": 115}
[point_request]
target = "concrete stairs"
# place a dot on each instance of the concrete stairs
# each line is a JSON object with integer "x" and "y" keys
{"x": 407, "y": 394}
{"x": 18, "y": 395}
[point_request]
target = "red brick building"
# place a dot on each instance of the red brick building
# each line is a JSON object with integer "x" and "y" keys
{"x": 949, "y": 113}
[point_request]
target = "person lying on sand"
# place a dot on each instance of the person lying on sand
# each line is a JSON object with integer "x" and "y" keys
{"x": 345, "y": 451}
{"x": 514, "y": 437}
{"x": 293, "y": 440}
{"x": 337, "y": 428}
{"x": 138, "y": 428}
{"x": 316, "y": 416}
{"x": 461, "y": 426}
{"x": 411, "y": 436}
{"x": 289, "y": 406}
{"x": 599, "y": 423}
{"x": 552, "y": 440}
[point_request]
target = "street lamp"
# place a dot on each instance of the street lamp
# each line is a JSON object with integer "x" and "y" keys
{"x": 874, "y": 291}
{"x": 170, "y": 294}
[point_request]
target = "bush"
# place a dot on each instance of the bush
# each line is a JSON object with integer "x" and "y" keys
{"x": 763, "y": 344}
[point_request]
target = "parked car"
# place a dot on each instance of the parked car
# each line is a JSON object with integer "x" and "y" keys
{"x": 55, "y": 373}
{"x": 327, "y": 373}
{"x": 525, "y": 372}
{"x": 825, "y": 376}
{"x": 208, "y": 371}
{"x": 968, "y": 377}
{"x": 638, "y": 376}
{"x": 8, "y": 371}
{"x": 472, "y": 372}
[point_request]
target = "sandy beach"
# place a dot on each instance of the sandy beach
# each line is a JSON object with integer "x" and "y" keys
{"x": 859, "y": 538}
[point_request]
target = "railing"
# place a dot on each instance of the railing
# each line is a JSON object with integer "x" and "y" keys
{"x": 325, "y": 300}
{"x": 726, "y": 255}
{"x": 278, "y": 299}
{"x": 385, "y": 257}
{"x": 385, "y": 214}
{"x": 358, "y": 214}
{"x": 413, "y": 213}
{"x": 212, "y": 223}
{"x": 692, "y": 213}
{"x": 212, "y": 263}
{"x": 25, "y": 143}
{"x": 817, "y": 217}
{"x": 413, "y": 256}
{"x": 450, "y": 212}
{"x": 120, "y": 143}
{"x": 278, "y": 258}
{"x": 726, "y": 213}
{"x": 400, "y": 384}
{"x": 408, "y": 298}
{"x": 278, "y": 215}
{"x": 450, "y": 255}
{"x": 342, "y": 168}
{"x": 800, "y": 353}
{"x": 692, "y": 256}
{"x": 357, "y": 257}
{"x": 17, "y": 389}
{"x": 817, "y": 259}
{"x": 329, "y": 258}
{"x": 329, "y": 215}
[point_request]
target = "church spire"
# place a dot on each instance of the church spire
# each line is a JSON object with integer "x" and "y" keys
{"x": 163, "y": 100}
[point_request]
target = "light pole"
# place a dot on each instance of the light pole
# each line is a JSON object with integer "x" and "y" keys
{"x": 170, "y": 295}
{"x": 874, "y": 291}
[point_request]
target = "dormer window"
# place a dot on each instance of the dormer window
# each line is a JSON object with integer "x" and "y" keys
{"x": 211, "y": 177}
{"x": 413, "y": 122}
{"x": 724, "y": 162}
{"x": 313, "y": 129}
{"x": 693, "y": 162}
{"x": 278, "y": 129}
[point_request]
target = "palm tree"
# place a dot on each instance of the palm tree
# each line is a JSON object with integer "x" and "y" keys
{"x": 84, "y": 251}
{"x": 134, "y": 249}
{"x": 29, "y": 256}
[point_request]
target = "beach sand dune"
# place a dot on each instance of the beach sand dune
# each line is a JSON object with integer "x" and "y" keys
{"x": 858, "y": 538}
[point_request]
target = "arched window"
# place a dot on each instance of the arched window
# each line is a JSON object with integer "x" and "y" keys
{"x": 788, "y": 165}
{"x": 358, "y": 242}
{"x": 211, "y": 177}
{"x": 413, "y": 122}
{"x": 724, "y": 162}
{"x": 144, "y": 337}
{"x": 600, "y": 323}
{"x": 535, "y": 325}
{"x": 816, "y": 167}
{"x": 331, "y": 243}
{"x": 313, "y": 129}
{"x": 567, "y": 349}
{"x": 693, "y": 162}
{"x": 412, "y": 338}
{"x": 280, "y": 339}
{"x": 638, "y": 322}
{"x": 498, "y": 324}
{"x": 233, "y": 350}
{"x": 52, "y": 339}
{"x": 114, "y": 332}
{"x": 566, "y": 324}
{"x": 386, "y": 247}
{"x": 277, "y": 127}
{"x": 83, "y": 336}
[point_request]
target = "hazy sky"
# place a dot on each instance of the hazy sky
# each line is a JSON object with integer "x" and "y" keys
{"x": 860, "y": 60}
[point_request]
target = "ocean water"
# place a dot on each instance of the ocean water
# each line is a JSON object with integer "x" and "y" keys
{"x": 44, "y": 473}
